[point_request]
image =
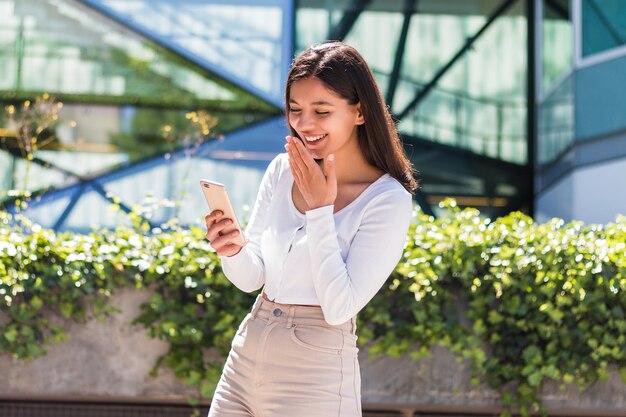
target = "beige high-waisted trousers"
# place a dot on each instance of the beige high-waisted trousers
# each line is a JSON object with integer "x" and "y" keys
{"x": 286, "y": 361}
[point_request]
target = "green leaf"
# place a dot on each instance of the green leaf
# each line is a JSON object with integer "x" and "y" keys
{"x": 67, "y": 309}
{"x": 207, "y": 390}
{"x": 194, "y": 378}
{"x": 36, "y": 303}
{"x": 11, "y": 335}
{"x": 495, "y": 317}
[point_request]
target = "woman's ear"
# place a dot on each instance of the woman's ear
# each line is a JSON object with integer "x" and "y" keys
{"x": 359, "y": 115}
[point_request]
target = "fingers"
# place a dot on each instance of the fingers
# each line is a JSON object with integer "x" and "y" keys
{"x": 299, "y": 153}
{"x": 304, "y": 154}
{"x": 212, "y": 217}
{"x": 224, "y": 242}
{"x": 229, "y": 250}
{"x": 296, "y": 169}
{"x": 217, "y": 229}
{"x": 220, "y": 241}
{"x": 318, "y": 186}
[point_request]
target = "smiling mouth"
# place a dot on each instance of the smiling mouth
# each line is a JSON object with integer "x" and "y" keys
{"x": 315, "y": 138}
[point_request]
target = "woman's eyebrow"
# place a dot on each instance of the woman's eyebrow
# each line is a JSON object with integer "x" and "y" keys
{"x": 315, "y": 103}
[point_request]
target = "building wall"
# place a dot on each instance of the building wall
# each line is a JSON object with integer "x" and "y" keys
{"x": 555, "y": 201}
{"x": 590, "y": 193}
{"x": 582, "y": 164}
{"x": 597, "y": 196}
{"x": 600, "y": 99}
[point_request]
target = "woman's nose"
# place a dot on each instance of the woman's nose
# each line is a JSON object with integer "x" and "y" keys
{"x": 304, "y": 121}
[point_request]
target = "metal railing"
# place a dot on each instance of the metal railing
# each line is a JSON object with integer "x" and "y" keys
{"x": 487, "y": 126}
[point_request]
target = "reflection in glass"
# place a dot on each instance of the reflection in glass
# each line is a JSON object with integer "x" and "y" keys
{"x": 556, "y": 41}
{"x": 378, "y": 48}
{"x": 555, "y": 122}
{"x": 245, "y": 39}
{"x": 604, "y": 25}
{"x": 484, "y": 126}
{"x": 125, "y": 98}
{"x": 480, "y": 103}
{"x": 57, "y": 47}
{"x": 312, "y": 26}
{"x": 93, "y": 139}
{"x": 432, "y": 41}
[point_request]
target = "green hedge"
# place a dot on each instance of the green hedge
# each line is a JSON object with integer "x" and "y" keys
{"x": 521, "y": 302}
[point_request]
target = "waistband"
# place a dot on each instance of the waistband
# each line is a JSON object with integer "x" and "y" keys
{"x": 296, "y": 314}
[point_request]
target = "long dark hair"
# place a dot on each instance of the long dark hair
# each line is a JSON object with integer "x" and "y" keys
{"x": 343, "y": 70}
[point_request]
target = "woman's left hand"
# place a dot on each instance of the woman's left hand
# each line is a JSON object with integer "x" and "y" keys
{"x": 318, "y": 188}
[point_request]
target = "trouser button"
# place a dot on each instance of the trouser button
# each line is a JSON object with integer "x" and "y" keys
{"x": 278, "y": 312}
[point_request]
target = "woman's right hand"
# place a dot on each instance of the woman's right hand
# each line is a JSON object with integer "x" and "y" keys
{"x": 219, "y": 241}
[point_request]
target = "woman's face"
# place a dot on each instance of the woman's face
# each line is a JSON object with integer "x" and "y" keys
{"x": 326, "y": 122}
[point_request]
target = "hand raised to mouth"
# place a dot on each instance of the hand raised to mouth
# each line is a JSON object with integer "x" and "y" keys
{"x": 318, "y": 186}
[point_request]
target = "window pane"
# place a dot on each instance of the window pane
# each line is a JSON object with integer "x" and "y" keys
{"x": 555, "y": 123}
{"x": 556, "y": 41}
{"x": 125, "y": 96}
{"x": 93, "y": 139}
{"x": 480, "y": 103}
{"x": 244, "y": 39}
{"x": 604, "y": 25}
{"x": 600, "y": 99}
{"x": 56, "y": 47}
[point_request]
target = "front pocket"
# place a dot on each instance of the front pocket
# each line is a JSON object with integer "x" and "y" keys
{"x": 319, "y": 339}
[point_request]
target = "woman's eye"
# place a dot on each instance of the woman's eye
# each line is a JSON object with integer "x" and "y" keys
{"x": 322, "y": 112}
{"x": 294, "y": 110}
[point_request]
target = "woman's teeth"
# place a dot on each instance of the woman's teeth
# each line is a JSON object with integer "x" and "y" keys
{"x": 314, "y": 138}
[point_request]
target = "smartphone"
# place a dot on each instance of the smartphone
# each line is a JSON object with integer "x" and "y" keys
{"x": 217, "y": 199}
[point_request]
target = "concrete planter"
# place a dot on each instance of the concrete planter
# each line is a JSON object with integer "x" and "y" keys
{"x": 110, "y": 360}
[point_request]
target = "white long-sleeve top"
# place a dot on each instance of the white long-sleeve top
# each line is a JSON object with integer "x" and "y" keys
{"x": 336, "y": 260}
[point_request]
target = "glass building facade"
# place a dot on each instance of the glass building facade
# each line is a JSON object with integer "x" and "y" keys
{"x": 490, "y": 96}
{"x": 141, "y": 107}
{"x": 581, "y": 132}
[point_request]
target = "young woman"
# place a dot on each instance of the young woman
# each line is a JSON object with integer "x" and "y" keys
{"x": 327, "y": 229}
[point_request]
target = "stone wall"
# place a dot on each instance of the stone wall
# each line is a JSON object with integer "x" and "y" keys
{"x": 110, "y": 360}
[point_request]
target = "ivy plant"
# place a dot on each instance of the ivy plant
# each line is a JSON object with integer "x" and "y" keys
{"x": 522, "y": 303}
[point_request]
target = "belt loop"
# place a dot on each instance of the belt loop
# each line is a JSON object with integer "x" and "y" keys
{"x": 353, "y": 322}
{"x": 292, "y": 313}
{"x": 256, "y": 307}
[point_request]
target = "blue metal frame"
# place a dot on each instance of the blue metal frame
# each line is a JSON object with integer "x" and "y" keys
{"x": 289, "y": 22}
{"x": 267, "y": 144}
{"x": 70, "y": 206}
